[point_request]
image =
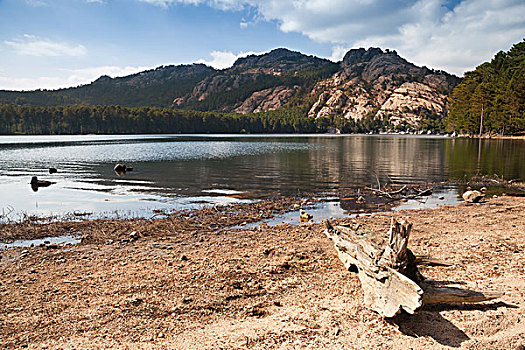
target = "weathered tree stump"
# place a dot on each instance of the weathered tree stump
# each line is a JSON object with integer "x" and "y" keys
{"x": 388, "y": 270}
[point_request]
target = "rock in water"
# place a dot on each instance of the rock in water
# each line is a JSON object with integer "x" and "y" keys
{"x": 53, "y": 170}
{"x": 36, "y": 183}
{"x": 119, "y": 168}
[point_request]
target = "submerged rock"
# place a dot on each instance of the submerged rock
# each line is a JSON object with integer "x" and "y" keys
{"x": 121, "y": 169}
{"x": 36, "y": 183}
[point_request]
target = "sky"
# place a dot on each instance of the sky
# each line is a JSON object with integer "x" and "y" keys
{"x": 50, "y": 44}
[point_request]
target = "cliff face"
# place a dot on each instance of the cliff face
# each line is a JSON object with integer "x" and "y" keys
{"x": 267, "y": 99}
{"x": 373, "y": 83}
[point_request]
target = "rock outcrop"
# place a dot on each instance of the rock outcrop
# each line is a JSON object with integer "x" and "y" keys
{"x": 256, "y": 83}
{"x": 267, "y": 100}
{"x": 377, "y": 84}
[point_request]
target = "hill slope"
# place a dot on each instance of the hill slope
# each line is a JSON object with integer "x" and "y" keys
{"x": 366, "y": 84}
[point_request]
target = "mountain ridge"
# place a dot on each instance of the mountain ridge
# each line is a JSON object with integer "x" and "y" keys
{"x": 366, "y": 83}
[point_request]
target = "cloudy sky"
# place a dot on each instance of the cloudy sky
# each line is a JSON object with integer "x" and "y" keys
{"x": 50, "y": 44}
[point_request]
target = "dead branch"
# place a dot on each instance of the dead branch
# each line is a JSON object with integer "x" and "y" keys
{"x": 388, "y": 269}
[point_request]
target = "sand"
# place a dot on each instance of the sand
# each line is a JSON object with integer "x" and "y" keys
{"x": 191, "y": 282}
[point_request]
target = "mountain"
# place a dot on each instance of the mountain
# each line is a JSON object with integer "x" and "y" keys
{"x": 156, "y": 87}
{"x": 381, "y": 85}
{"x": 365, "y": 85}
{"x": 258, "y": 83}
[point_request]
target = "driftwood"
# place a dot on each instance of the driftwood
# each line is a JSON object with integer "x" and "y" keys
{"x": 388, "y": 270}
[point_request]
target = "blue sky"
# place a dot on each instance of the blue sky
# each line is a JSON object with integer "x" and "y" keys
{"x": 60, "y": 43}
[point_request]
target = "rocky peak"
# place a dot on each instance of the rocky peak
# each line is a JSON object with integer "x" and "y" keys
{"x": 278, "y": 59}
{"x": 373, "y": 63}
{"x": 360, "y": 55}
{"x": 382, "y": 84}
{"x": 103, "y": 79}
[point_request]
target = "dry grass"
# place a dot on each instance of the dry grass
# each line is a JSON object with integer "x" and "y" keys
{"x": 189, "y": 282}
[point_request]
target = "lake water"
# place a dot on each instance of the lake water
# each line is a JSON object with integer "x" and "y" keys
{"x": 185, "y": 171}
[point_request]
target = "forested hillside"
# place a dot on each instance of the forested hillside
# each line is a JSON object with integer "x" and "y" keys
{"x": 284, "y": 91}
{"x": 491, "y": 99}
{"x": 123, "y": 120}
{"x": 193, "y": 87}
{"x": 156, "y": 87}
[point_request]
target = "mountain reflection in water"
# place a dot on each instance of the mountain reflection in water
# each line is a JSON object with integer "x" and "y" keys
{"x": 184, "y": 171}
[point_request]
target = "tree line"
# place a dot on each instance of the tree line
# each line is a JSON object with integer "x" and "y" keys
{"x": 15, "y": 119}
{"x": 491, "y": 99}
{"x": 70, "y": 120}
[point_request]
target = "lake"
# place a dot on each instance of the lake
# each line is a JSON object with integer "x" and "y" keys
{"x": 186, "y": 171}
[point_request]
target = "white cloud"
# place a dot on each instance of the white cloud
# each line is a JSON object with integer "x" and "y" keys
{"x": 31, "y": 45}
{"x": 161, "y": 3}
{"x": 424, "y": 31}
{"x": 338, "y": 52}
{"x": 36, "y": 3}
{"x": 67, "y": 78}
{"x": 224, "y": 59}
{"x": 457, "y": 40}
{"x": 220, "y": 4}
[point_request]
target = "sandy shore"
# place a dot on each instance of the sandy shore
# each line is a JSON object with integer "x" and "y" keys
{"x": 189, "y": 282}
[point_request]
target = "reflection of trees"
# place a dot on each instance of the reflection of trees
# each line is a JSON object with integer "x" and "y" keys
{"x": 359, "y": 159}
{"x": 330, "y": 163}
{"x": 467, "y": 157}
{"x": 334, "y": 162}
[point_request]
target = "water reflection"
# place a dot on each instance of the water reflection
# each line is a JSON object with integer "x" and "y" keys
{"x": 466, "y": 157}
{"x": 180, "y": 171}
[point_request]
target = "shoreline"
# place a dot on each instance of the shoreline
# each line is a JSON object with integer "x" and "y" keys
{"x": 373, "y": 133}
{"x": 191, "y": 282}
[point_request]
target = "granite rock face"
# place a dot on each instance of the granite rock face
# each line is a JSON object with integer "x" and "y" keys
{"x": 256, "y": 83}
{"x": 267, "y": 100}
{"x": 374, "y": 83}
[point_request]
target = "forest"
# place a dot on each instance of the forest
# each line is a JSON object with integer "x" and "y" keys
{"x": 70, "y": 120}
{"x": 491, "y": 99}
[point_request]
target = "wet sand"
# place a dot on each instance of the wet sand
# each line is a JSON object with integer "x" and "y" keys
{"x": 191, "y": 282}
